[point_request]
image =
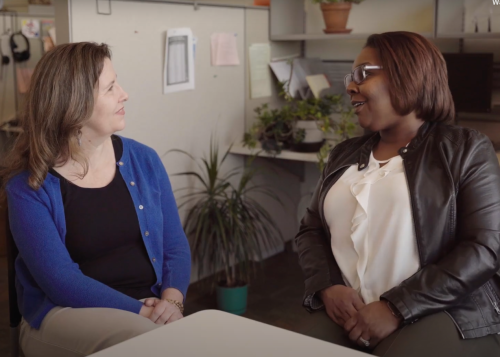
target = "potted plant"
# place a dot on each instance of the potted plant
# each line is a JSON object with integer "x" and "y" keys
{"x": 228, "y": 229}
{"x": 273, "y": 128}
{"x": 313, "y": 119}
{"x": 335, "y": 14}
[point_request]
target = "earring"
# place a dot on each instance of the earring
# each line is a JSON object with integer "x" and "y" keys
{"x": 79, "y": 137}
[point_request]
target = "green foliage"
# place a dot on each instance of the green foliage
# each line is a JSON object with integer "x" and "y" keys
{"x": 323, "y": 155}
{"x": 344, "y": 129}
{"x": 319, "y": 110}
{"x": 273, "y": 128}
{"x": 228, "y": 229}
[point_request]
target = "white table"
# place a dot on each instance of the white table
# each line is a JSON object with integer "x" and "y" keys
{"x": 213, "y": 333}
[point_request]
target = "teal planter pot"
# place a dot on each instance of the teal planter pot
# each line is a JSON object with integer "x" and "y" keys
{"x": 232, "y": 300}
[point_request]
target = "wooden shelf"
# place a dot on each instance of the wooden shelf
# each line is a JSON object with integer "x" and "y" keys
{"x": 285, "y": 154}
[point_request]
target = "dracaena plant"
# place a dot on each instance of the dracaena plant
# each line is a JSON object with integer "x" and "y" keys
{"x": 228, "y": 229}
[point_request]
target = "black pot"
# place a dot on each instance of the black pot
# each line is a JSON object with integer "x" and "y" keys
{"x": 273, "y": 145}
{"x": 278, "y": 131}
{"x": 307, "y": 147}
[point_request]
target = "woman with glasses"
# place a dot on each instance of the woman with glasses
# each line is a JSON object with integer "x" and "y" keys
{"x": 401, "y": 242}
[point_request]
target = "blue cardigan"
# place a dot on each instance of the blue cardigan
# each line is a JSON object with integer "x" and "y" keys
{"x": 46, "y": 276}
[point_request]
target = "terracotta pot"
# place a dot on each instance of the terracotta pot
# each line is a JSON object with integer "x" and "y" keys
{"x": 261, "y": 2}
{"x": 335, "y": 16}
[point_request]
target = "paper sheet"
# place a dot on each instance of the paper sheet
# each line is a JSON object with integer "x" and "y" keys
{"x": 282, "y": 71}
{"x": 30, "y": 28}
{"x": 260, "y": 78}
{"x": 302, "y": 67}
{"x": 224, "y": 49}
{"x": 317, "y": 83}
{"x": 179, "y": 61}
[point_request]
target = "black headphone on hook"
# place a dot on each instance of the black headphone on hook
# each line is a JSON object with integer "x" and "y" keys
{"x": 19, "y": 56}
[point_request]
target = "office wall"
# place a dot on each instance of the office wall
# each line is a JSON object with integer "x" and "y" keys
{"x": 220, "y": 103}
{"x": 7, "y": 83}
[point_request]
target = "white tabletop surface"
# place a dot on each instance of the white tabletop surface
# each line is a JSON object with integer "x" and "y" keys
{"x": 214, "y": 333}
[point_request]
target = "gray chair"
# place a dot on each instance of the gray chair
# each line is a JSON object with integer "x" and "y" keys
{"x": 14, "y": 314}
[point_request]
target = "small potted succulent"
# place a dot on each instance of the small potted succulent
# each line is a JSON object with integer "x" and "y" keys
{"x": 336, "y": 14}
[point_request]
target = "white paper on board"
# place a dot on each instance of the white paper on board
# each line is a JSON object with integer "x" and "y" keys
{"x": 224, "y": 49}
{"x": 179, "y": 61}
{"x": 260, "y": 78}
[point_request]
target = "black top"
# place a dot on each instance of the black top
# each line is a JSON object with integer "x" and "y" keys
{"x": 103, "y": 234}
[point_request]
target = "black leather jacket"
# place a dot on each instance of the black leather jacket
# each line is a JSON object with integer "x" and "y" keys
{"x": 453, "y": 179}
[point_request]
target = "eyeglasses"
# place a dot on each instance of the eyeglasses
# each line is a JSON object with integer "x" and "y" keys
{"x": 359, "y": 74}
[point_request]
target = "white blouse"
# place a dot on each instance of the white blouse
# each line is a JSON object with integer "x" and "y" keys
{"x": 370, "y": 220}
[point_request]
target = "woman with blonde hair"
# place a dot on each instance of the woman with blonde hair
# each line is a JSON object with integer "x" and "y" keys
{"x": 92, "y": 214}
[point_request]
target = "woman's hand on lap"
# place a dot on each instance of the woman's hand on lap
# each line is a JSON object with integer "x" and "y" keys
{"x": 163, "y": 312}
{"x": 341, "y": 303}
{"x": 373, "y": 323}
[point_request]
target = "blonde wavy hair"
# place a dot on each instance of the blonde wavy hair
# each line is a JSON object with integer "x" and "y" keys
{"x": 59, "y": 101}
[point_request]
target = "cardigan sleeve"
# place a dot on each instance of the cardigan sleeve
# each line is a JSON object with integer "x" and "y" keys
{"x": 44, "y": 253}
{"x": 176, "y": 251}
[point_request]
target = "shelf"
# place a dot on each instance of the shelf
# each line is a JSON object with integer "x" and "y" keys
{"x": 288, "y": 21}
{"x": 472, "y": 35}
{"x": 285, "y": 154}
{"x": 322, "y": 36}
{"x": 364, "y": 36}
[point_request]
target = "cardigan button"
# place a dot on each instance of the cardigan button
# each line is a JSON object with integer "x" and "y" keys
{"x": 120, "y": 163}
{"x": 154, "y": 260}
{"x": 146, "y": 233}
{"x": 141, "y": 206}
{"x": 132, "y": 183}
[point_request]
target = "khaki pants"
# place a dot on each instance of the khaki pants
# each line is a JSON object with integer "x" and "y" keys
{"x": 72, "y": 332}
{"x": 431, "y": 336}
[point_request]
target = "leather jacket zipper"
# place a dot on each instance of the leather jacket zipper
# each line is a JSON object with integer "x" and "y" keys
{"x": 492, "y": 299}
